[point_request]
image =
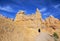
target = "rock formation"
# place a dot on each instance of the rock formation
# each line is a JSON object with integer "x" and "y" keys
{"x": 27, "y": 27}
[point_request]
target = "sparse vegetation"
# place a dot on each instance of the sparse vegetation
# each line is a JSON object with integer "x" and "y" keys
{"x": 55, "y": 35}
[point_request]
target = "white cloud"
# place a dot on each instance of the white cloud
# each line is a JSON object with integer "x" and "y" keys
{"x": 43, "y": 9}
{"x": 48, "y": 13}
{"x": 6, "y": 8}
{"x": 56, "y": 6}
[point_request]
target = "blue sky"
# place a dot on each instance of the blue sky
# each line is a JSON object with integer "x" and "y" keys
{"x": 9, "y": 8}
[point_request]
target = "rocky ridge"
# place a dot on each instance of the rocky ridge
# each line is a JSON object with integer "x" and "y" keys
{"x": 26, "y": 27}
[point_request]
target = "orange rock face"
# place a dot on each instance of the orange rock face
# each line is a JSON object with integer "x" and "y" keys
{"x": 26, "y": 27}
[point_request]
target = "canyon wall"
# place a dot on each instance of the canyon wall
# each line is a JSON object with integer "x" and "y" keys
{"x": 27, "y": 27}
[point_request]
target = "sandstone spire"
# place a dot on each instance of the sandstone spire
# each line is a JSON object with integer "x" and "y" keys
{"x": 38, "y": 18}
{"x": 21, "y": 12}
{"x": 51, "y": 20}
{"x": 19, "y": 15}
{"x": 38, "y": 14}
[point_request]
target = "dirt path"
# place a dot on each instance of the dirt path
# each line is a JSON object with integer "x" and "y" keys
{"x": 44, "y": 37}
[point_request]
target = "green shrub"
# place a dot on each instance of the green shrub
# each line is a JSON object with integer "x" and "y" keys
{"x": 55, "y": 35}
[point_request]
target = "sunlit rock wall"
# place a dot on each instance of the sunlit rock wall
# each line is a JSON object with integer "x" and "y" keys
{"x": 27, "y": 27}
